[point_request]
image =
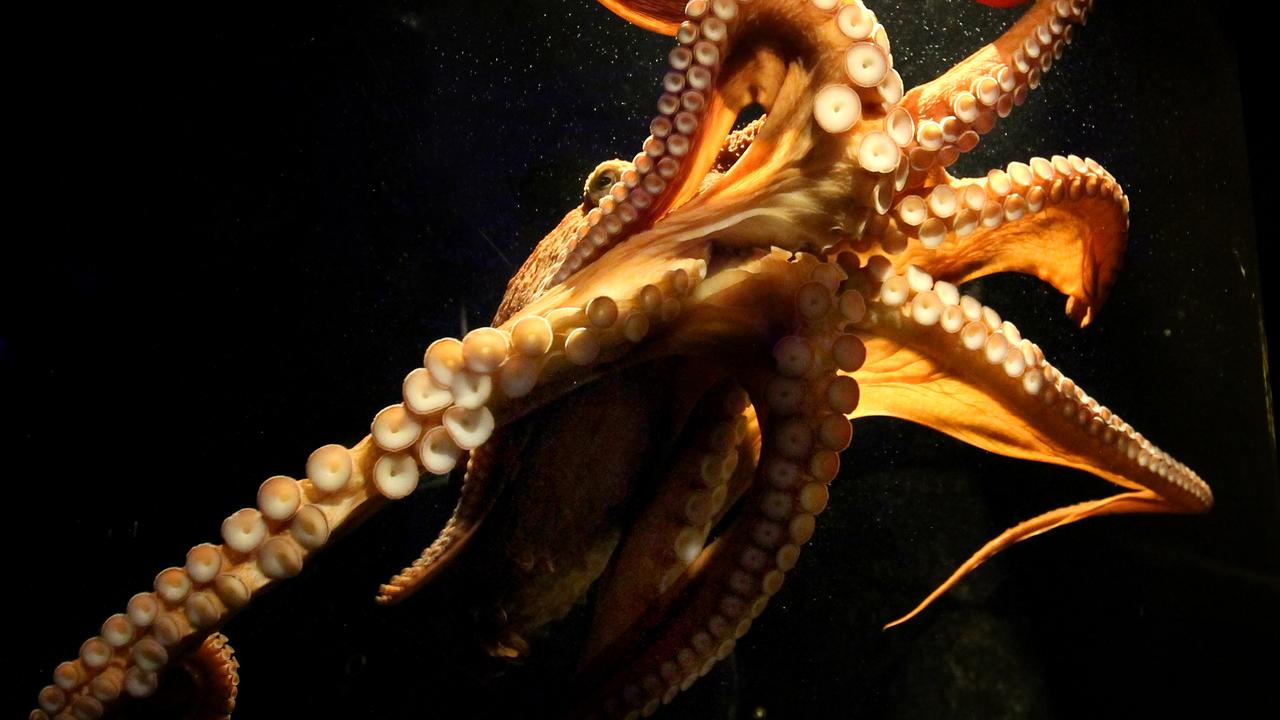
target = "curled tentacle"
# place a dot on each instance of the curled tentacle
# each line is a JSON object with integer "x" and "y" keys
{"x": 710, "y": 470}
{"x": 217, "y": 675}
{"x": 680, "y": 148}
{"x": 1063, "y": 220}
{"x": 477, "y": 499}
{"x": 802, "y": 405}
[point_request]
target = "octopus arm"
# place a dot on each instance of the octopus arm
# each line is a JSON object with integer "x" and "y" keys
{"x": 988, "y": 84}
{"x": 1062, "y": 220}
{"x": 479, "y": 492}
{"x": 708, "y": 474}
{"x": 955, "y": 390}
{"x": 1142, "y": 501}
{"x": 660, "y": 16}
{"x": 678, "y": 266}
{"x": 799, "y": 402}
{"x": 466, "y": 390}
{"x": 216, "y": 673}
{"x": 947, "y": 362}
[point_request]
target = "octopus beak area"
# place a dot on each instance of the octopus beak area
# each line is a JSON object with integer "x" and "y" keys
{"x": 944, "y": 360}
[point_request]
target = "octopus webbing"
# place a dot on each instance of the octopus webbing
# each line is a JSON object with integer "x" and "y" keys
{"x": 724, "y": 303}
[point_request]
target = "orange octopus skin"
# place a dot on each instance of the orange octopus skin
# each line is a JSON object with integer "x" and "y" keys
{"x": 710, "y": 296}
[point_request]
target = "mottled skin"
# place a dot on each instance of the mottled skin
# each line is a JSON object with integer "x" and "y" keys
{"x": 678, "y": 462}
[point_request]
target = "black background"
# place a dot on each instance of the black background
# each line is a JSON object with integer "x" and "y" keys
{"x": 236, "y": 228}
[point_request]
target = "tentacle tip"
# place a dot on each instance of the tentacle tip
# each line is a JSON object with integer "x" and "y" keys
{"x": 939, "y": 592}
{"x": 902, "y": 619}
{"x": 1080, "y": 311}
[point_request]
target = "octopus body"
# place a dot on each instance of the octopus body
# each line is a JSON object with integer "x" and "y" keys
{"x": 653, "y": 420}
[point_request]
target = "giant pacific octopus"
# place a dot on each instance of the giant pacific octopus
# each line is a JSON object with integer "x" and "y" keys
{"x": 725, "y": 303}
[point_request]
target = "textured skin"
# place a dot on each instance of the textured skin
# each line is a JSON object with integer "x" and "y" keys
{"x": 747, "y": 315}
{"x": 541, "y": 263}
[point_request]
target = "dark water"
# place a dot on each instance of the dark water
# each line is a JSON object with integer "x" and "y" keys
{"x": 250, "y": 222}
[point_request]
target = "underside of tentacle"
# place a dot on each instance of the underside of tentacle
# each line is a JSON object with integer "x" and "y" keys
{"x": 801, "y": 403}
{"x": 1063, "y": 220}
{"x": 709, "y": 471}
{"x": 707, "y": 308}
{"x": 215, "y": 671}
{"x": 453, "y": 404}
{"x": 479, "y": 492}
{"x": 942, "y": 359}
{"x": 176, "y": 622}
{"x": 950, "y": 112}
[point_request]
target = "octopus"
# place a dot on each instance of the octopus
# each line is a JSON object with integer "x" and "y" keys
{"x": 647, "y": 433}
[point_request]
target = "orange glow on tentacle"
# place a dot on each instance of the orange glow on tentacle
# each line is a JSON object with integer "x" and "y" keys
{"x": 941, "y": 359}
{"x": 1143, "y": 501}
{"x": 1063, "y": 220}
{"x": 660, "y": 16}
{"x": 987, "y": 85}
{"x": 928, "y": 376}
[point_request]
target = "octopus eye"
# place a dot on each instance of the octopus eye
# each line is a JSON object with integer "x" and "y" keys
{"x": 601, "y": 181}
